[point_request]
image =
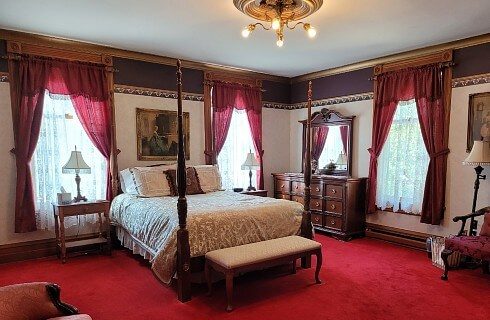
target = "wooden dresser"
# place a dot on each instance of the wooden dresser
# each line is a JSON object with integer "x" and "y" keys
{"x": 337, "y": 202}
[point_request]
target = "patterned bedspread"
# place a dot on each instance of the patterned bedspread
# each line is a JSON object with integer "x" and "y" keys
{"x": 215, "y": 220}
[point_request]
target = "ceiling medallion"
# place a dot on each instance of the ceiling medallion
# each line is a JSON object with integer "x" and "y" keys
{"x": 278, "y": 14}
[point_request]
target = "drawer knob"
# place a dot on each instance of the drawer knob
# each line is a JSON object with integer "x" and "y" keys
{"x": 334, "y": 191}
{"x": 317, "y": 189}
{"x": 333, "y": 206}
{"x": 297, "y": 187}
{"x": 317, "y": 204}
{"x": 317, "y": 219}
{"x": 282, "y": 186}
{"x": 332, "y": 222}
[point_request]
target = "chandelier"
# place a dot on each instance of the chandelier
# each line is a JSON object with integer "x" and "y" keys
{"x": 278, "y": 15}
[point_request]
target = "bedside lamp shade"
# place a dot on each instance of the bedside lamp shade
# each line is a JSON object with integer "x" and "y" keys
{"x": 76, "y": 164}
{"x": 250, "y": 162}
{"x": 479, "y": 155}
{"x": 342, "y": 159}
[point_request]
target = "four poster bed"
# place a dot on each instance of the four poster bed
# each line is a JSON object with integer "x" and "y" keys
{"x": 176, "y": 232}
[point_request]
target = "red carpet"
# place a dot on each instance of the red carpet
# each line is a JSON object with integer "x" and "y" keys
{"x": 363, "y": 279}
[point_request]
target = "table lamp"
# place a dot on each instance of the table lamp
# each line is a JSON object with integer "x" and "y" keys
{"x": 342, "y": 160}
{"x": 77, "y": 165}
{"x": 479, "y": 156}
{"x": 250, "y": 164}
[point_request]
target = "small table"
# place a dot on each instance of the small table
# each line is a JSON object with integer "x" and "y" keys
{"x": 60, "y": 211}
{"x": 259, "y": 193}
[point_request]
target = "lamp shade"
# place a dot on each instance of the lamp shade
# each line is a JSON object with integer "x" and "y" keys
{"x": 76, "y": 164}
{"x": 342, "y": 159}
{"x": 479, "y": 155}
{"x": 250, "y": 162}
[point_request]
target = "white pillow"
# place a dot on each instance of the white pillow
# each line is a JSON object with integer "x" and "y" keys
{"x": 209, "y": 177}
{"x": 146, "y": 181}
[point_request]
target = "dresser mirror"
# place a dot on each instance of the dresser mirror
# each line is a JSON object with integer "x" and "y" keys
{"x": 331, "y": 143}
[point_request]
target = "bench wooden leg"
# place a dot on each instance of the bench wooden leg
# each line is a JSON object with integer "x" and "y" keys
{"x": 319, "y": 261}
{"x": 229, "y": 290}
{"x": 207, "y": 273}
{"x": 306, "y": 262}
{"x": 294, "y": 266}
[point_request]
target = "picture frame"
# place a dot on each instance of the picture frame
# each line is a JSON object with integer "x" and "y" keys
{"x": 156, "y": 135}
{"x": 478, "y": 119}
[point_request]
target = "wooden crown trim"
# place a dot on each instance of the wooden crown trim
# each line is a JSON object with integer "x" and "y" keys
{"x": 437, "y": 57}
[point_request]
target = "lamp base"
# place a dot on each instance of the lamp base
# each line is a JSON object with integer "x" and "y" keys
{"x": 79, "y": 198}
{"x": 250, "y": 188}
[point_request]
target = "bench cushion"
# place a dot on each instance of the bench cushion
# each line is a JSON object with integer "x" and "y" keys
{"x": 248, "y": 254}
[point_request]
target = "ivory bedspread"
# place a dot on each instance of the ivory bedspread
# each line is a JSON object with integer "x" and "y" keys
{"x": 215, "y": 220}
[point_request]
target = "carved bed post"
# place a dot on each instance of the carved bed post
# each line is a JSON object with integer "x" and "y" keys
{"x": 306, "y": 226}
{"x": 183, "y": 248}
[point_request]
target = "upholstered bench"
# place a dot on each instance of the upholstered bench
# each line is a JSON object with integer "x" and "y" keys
{"x": 231, "y": 261}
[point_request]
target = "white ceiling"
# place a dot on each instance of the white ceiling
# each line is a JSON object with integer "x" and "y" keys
{"x": 209, "y": 30}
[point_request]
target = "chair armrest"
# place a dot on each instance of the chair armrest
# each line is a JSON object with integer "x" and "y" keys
{"x": 470, "y": 216}
{"x": 54, "y": 294}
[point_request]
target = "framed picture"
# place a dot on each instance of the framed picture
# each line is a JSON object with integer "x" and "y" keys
{"x": 478, "y": 119}
{"x": 157, "y": 138}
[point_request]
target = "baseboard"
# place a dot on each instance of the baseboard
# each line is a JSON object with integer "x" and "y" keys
{"x": 33, "y": 249}
{"x": 406, "y": 238}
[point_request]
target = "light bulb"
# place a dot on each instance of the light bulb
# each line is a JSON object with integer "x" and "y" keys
{"x": 245, "y": 33}
{"x": 276, "y": 24}
{"x": 311, "y": 32}
{"x": 280, "y": 41}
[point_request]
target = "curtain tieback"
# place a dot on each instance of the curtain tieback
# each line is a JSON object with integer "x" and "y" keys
{"x": 13, "y": 151}
{"x": 371, "y": 152}
{"x": 438, "y": 154}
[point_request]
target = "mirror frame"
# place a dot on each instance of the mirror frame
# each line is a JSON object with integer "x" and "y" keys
{"x": 327, "y": 117}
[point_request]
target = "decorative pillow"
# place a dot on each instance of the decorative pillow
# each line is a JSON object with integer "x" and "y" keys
{"x": 485, "y": 228}
{"x": 209, "y": 177}
{"x": 193, "y": 186}
{"x": 146, "y": 181}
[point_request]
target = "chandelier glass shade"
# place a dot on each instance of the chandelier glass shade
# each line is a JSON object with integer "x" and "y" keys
{"x": 278, "y": 15}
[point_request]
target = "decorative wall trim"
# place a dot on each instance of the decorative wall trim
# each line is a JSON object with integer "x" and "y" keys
{"x": 276, "y": 105}
{"x": 471, "y": 80}
{"x": 4, "y": 77}
{"x": 156, "y": 93}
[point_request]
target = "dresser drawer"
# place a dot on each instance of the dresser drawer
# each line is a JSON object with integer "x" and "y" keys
{"x": 297, "y": 187}
{"x": 316, "y": 189}
{"x": 333, "y": 222}
{"x": 333, "y": 206}
{"x": 282, "y": 186}
{"x": 316, "y": 219}
{"x": 298, "y": 199}
{"x": 283, "y": 196}
{"x": 316, "y": 204}
{"x": 334, "y": 191}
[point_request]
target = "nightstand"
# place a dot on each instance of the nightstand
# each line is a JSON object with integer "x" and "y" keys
{"x": 258, "y": 193}
{"x": 78, "y": 209}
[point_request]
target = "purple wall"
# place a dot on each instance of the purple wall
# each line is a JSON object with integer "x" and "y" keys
{"x": 276, "y": 92}
{"x": 338, "y": 85}
{"x": 3, "y": 52}
{"x": 156, "y": 76}
{"x": 471, "y": 61}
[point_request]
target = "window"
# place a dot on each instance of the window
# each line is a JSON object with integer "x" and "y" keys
{"x": 333, "y": 147}
{"x": 60, "y": 132}
{"x": 238, "y": 143}
{"x": 403, "y": 162}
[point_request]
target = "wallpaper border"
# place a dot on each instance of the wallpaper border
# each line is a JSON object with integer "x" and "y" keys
{"x": 119, "y": 88}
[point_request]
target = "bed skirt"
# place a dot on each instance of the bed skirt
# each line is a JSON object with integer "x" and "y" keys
{"x": 133, "y": 244}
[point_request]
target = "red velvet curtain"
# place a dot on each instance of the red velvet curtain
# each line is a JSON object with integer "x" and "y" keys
{"x": 427, "y": 85}
{"x": 343, "y": 136}
{"x": 87, "y": 86}
{"x": 228, "y": 96}
{"x": 319, "y": 137}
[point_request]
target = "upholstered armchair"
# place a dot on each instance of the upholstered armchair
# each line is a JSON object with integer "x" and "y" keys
{"x": 36, "y": 301}
{"x": 477, "y": 247}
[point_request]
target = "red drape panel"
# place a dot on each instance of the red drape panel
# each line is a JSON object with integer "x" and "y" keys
{"x": 28, "y": 84}
{"x": 87, "y": 86}
{"x": 319, "y": 137}
{"x": 226, "y": 97}
{"x": 426, "y": 85}
{"x": 343, "y": 136}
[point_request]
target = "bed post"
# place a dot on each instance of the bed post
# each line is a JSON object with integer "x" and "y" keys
{"x": 183, "y": 248}
{"x": 306, "y": 226}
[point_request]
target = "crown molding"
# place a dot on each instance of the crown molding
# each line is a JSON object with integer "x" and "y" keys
{"x": 91, "y": 48}
{"x": 457, "y": 44}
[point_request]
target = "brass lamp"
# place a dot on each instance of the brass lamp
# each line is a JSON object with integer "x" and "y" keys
{"x": 250, "y": 164}
{"x": 479, "y": 156}
{"x": 77, "y": 165}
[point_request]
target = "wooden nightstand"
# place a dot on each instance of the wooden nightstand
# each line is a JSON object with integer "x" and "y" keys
{"x": 77, "y": 209}
{"x": 259, "y": 193}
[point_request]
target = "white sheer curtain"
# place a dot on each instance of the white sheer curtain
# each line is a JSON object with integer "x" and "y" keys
{"x": 403, "y": 162}
{"x": 333, "y": 147}
{"x": 238, "y": 143}
{"x": 60, "y": 132}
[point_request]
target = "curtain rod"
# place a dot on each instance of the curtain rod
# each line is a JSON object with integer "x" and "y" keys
{"x": 17, "y": 56}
